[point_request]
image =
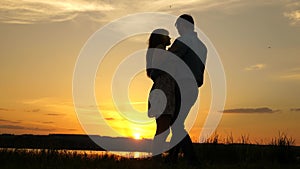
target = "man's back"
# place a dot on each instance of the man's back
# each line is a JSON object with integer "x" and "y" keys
{"x": 193, "y": 52}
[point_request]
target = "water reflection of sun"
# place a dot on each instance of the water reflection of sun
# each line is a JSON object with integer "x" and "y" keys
{"x": 137, "y": 136}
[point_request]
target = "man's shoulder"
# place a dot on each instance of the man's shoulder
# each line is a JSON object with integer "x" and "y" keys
{"x": 180, "y": 42}
{"x": 181, "y": 39}
{"x": 191, "y": 42}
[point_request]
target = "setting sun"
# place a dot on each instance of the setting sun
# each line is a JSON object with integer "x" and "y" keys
{"x": 137, "y": 136}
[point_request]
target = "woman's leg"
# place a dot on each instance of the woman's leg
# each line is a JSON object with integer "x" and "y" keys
{"x": 162, "y": 132}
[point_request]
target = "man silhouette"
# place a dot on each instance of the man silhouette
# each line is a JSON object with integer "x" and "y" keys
{"x": 193, "y": 52}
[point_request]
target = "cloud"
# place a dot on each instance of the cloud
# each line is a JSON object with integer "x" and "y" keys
{"x": 9, "y": 121}
{"x": 5, "y": 109}
{"x": 250, "y": 110}
{"x": 295, "y": 109}
{"x": 294, "y": 16}
{"x": 292, "y": 74}
{"x": 38, "y": 101}
{"x": 11, "y": 127}
{"x": 18, "y": 127}
{"x": 255, "y": 67}
{"x": 53, "y": 114}
{"x": 109, "y": 118}
{"x": 33, "y": 110}
{"x": 40, "y": 11}
{"x": 293, "y": 12}
{"x": 51, "y": 105}
{"x": 194, "y": 5}
{"x": 47, "y": 122}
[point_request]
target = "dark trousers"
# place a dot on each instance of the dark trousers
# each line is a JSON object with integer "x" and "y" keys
{"x": 180, "y": 136}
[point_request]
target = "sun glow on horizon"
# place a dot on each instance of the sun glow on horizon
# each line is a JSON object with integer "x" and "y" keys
{"x": 137, "y": 136}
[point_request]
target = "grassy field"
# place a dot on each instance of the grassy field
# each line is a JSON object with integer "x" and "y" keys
{"x": 214, "y": 154}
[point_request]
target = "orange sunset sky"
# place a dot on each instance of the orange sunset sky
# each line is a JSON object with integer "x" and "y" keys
{"x": 258, "y": 42}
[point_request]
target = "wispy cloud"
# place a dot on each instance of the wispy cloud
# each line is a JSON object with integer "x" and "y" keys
{"x": 255, "y": 67}
{"x": 11, "y": 127}
{"x": 251, "y": 110}
{"x": 193, "y": 5}
{"x": 33, "y": 110}
{"x": 9, "y": 121}
{"x": 109, "y": 118}
{"x": 53, "y": 114}
{"x": 37, "y": 11}
{"x": 5, "y": 109}
{"x": 295, "y": 109}
{"x": 294, "y": 16}
{"x": 49, "y": 105}
{"x": 40, "y": 11}
{"x": 18, "y": 127}
{"x": 46, "y": 122}
{"x": 293, "y": 12}
{"x": 292, "y": 74}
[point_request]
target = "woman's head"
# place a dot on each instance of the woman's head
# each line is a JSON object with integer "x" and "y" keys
{"x": 159, "y": 37}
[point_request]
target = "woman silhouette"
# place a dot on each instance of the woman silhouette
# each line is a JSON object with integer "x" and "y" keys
{"x": 161, "y": 103}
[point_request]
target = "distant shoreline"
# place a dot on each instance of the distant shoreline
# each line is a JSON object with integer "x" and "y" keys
{"x": 73, "y": 142}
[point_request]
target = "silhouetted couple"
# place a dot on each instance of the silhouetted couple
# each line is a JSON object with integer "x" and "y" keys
{"x": 177, "y": 73}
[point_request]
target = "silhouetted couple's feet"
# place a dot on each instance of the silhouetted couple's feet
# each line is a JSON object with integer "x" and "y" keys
{"x": 192, "y": 163}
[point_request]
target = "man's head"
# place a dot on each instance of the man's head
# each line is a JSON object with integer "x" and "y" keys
{"x": 185, "y": 23}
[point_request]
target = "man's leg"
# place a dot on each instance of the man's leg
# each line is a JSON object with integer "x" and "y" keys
{"x": 180, "y": 136}
{"x": 188, "y": 150}
{"x": 173, "y": 152}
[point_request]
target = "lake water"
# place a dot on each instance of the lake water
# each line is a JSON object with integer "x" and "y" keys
{"x": 90, "y": 152}
{"x": 123, "y": 154}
